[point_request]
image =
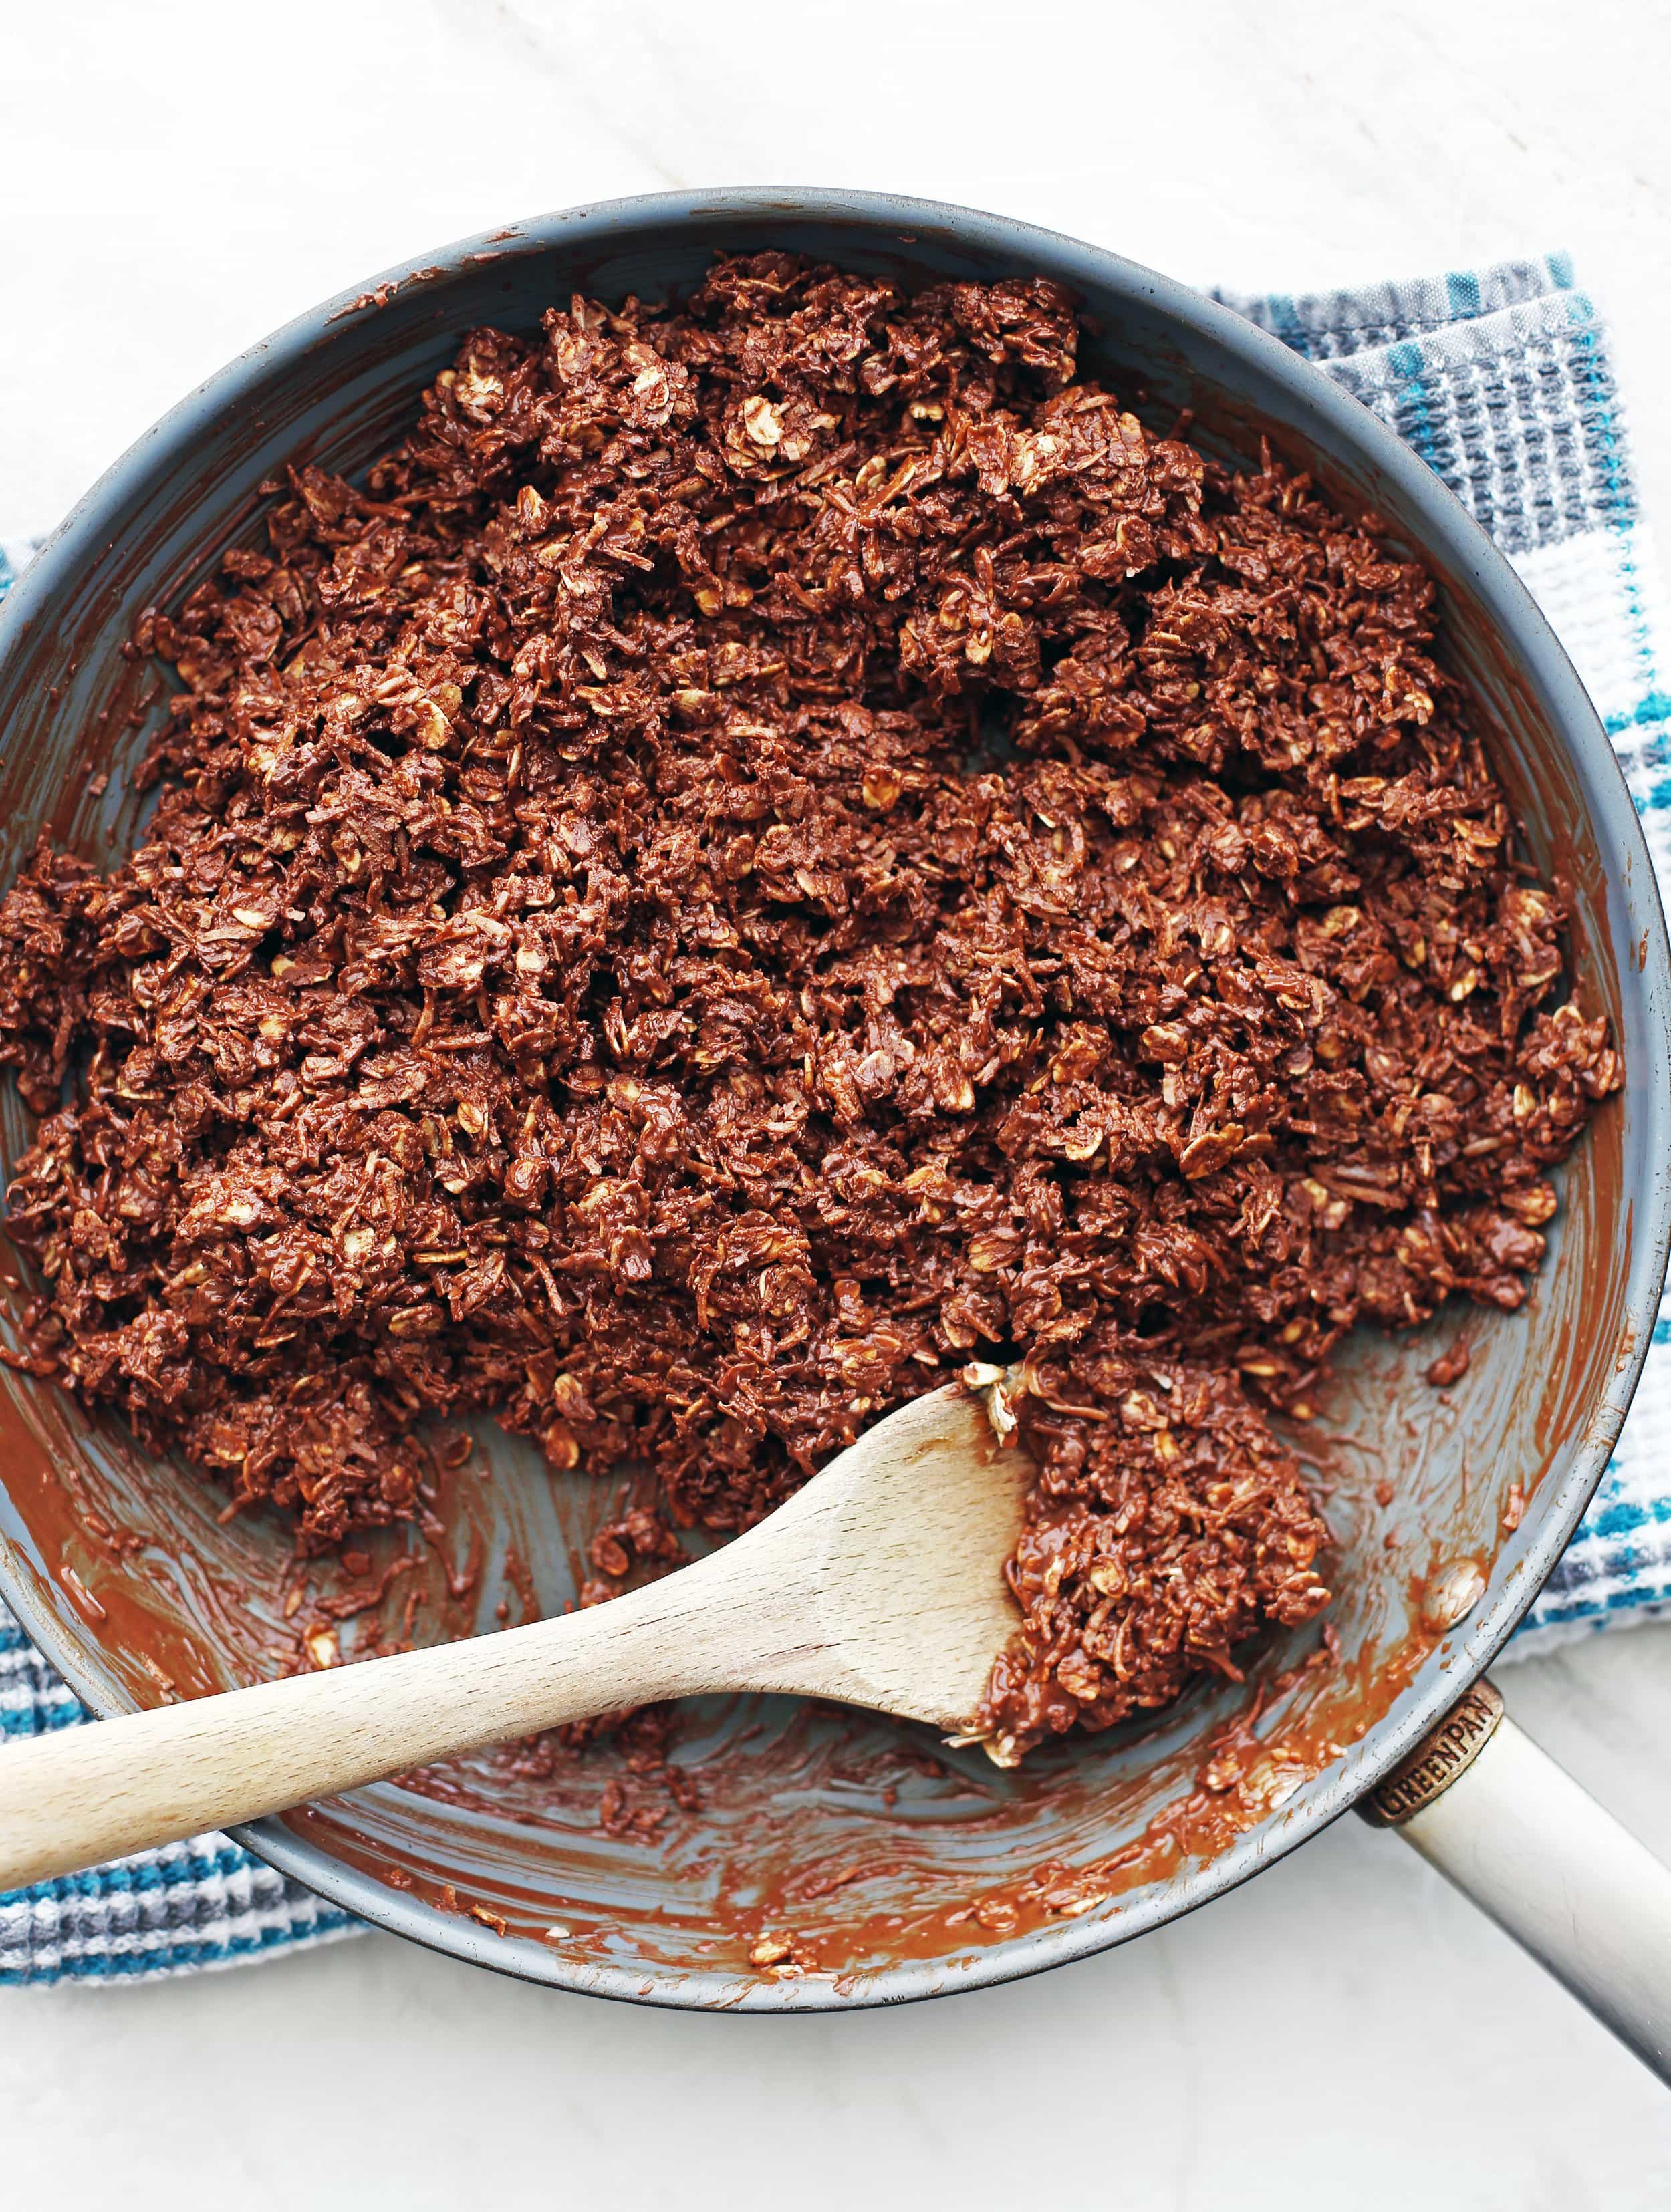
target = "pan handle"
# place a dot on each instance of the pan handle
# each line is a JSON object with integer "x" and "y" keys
{"x": 1514, "y": 1831}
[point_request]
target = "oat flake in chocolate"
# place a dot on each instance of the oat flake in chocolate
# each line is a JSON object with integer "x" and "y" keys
{"x": 774, "y": 848}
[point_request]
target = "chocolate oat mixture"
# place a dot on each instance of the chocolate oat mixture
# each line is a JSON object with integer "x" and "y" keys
{"x": 774, "y": 848}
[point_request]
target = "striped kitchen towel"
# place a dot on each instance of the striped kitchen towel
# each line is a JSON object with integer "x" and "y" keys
{"x": 1503, "y": 380}
{"x": 205, "y": 1903}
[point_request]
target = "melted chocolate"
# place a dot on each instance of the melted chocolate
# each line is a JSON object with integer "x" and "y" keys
{"x": 770, "y": 847}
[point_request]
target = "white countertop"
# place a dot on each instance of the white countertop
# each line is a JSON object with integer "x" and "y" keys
{"x": 1344, "y": 2030}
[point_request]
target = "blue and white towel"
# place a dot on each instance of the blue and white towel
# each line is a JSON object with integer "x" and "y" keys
{"x": 203, "y": 1903}
{"x": 1503, "y": 380}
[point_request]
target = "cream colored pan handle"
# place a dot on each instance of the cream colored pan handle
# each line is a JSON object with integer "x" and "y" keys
{"x": 1514, "y": 1831}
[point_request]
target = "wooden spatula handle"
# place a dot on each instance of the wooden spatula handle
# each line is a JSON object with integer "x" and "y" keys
{"x": 82, "y": 1795}
{"x": 880, "y": 1582}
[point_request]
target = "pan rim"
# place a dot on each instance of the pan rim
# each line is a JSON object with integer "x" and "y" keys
{"x": 1444, "y": 523}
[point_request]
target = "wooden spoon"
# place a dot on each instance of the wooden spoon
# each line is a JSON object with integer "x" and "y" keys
{"x": 880, "y": 1584}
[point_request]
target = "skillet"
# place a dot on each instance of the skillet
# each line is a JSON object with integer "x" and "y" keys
{"x": 902, "y": 1868}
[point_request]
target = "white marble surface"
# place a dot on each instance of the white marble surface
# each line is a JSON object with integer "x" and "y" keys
{"x": 144, "y": 238}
